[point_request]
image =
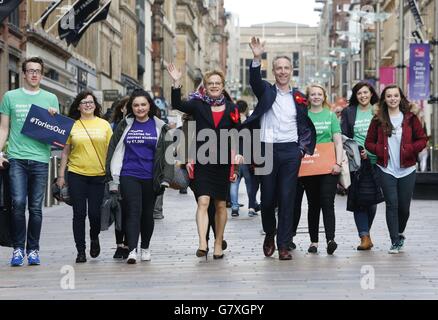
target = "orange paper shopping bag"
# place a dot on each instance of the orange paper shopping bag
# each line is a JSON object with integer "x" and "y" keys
{"x": 321, "y": 162}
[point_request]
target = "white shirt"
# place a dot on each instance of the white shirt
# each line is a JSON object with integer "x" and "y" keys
{"x": 394, "y": 144}
{"x": 32, "y": 93}
{"x": 279, "y": 123}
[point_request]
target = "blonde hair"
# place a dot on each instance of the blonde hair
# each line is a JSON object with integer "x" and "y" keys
{"x": 210, "y": 73}
{"x": 325, "y": 103}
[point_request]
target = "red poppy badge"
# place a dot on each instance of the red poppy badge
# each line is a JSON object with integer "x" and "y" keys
{"x": 300, "y": 99}
{"x": 235, "y": 115}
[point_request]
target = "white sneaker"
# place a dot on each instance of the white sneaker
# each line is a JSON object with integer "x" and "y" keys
{"x": 394, "y": 249}
{"x": 132, "y": 258}
{"x": 145, "y": 254}
{"x": 401, "y": 242}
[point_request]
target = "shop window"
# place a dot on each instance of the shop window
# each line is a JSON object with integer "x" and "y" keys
{"x": 14, "y": 18}
{"x": 14, "y": 82}
{"x": 52, "y": 74}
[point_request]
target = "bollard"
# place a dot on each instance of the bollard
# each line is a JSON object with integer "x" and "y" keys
{"x": 52, "y": 174}
{"x": 431, "y": 159}
{"x": 48, "y": 198}
{"x": 55, "y": 166}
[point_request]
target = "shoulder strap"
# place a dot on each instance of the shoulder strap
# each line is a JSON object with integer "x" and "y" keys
{"x": 97, "y": 154}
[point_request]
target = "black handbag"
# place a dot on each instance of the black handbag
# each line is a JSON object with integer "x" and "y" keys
{"x": 5, "y": 210}
{"x": 365, "y": 189}
{"x": 5, "y": 228}
{"x": 181, "y": 178}
{"x": 61, "y": 194}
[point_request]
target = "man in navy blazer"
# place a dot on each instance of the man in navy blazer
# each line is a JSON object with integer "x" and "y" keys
{"x": 287, "y": 131}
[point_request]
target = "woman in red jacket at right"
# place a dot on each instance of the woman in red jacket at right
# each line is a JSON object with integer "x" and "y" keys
{"x": 396, "y": 137}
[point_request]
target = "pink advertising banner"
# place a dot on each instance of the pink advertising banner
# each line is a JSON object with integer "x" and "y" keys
{"x": 387, "y": 77}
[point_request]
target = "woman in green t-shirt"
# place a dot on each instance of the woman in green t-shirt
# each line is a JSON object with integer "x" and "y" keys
{"x": 321, "y": 189}
{"x": 355, "y": 121}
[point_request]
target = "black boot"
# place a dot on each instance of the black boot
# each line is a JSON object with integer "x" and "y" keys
{"x": 95, "y": 248}
{"x": 81, "y": 257}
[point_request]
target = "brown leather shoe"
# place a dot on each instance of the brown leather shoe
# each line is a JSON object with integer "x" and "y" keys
{"x": 269, "y": 245}
{"x": 284, "y": 254}
{"x": 365, "y": 243}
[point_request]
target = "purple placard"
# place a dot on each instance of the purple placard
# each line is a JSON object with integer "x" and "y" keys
{"x": 419, "y": 71}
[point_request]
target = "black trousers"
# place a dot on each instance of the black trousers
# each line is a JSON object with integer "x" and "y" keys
{"x": 86, "y": 193}
{"x": 398, "y": 194}
{"x": 297, "y": 210}
{"x": 138, "y": 200}
{"x": 280, "y": 184}
{"x": 121, "y": 234}
{"x": 320, "y": 193}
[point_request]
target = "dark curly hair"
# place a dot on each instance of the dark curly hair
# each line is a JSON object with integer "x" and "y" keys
{"x": 142, "y": 93}
{"x": 382, "y": 112}
{"x": 242, "y": 106}
{"x": 117, "y": 107}
{"x": 353, "y": 102}
{"x": 74, "y": 112}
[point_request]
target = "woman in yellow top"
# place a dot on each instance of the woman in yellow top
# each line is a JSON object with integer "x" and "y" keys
{"x": 84, "y": 155}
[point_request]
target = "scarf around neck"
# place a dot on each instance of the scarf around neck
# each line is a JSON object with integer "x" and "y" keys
{"x": 200, "y": 94}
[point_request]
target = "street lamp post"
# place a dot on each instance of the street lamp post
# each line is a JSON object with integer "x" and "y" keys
{"x": 401, "y": 47}
{"x": 349, "y": 68}
{"x": 362, "y": 52}
{"x": 434, "y": 98}
{"x": 378, "y": 47}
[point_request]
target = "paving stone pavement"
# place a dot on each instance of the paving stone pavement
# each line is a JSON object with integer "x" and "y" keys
{"x": 244, "y": 273}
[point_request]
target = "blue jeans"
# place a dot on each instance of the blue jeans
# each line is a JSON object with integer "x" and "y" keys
{"x": 364, "y": 219}
{"x": 234, "y": 188}
{"x": 398, "y": 194}
{"x": 28, "y": 179}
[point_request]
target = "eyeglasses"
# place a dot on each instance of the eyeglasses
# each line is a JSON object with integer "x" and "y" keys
{"x": 84, "y": 103}
{"x": 33, "y": 71}
{"x": 214, "y": 84}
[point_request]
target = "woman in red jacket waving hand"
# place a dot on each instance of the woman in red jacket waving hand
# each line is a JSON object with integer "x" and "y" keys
{"x": 396, "y": 137}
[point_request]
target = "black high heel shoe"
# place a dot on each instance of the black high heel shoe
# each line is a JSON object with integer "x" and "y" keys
{"x": 201, "y": 253}
{"x": 218, "y": 256}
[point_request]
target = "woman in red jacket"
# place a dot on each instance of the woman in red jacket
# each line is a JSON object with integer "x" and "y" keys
{"x": 396, "y": 137}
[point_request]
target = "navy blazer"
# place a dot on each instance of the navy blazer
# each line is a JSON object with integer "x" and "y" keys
{"x": 203, "y": 116}
{"x": 266, "y": 95}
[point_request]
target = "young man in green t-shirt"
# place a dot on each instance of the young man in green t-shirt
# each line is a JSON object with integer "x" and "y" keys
{"x": 28, "y": 160}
